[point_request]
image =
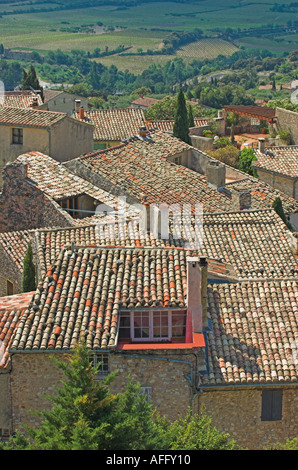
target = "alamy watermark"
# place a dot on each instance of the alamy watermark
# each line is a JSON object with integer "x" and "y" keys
{"x": 163, "y": 221}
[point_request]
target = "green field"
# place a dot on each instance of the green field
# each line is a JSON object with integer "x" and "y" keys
{"x": 201, "y": 49}
{"x": 141, "y": 27}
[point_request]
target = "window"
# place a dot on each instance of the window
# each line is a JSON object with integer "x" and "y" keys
{"x": 17, "y": 136}
{"x": 271, "y": 405}
{"x": 147, "y": 391}
{"x": 101, "y": 362}
{"x": 70, "y": 205}
{"x": 177, "y": 160}
{"x": 150, "y": 325}
{"x": 9, "y": 288}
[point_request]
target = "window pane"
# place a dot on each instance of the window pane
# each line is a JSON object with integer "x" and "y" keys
{"x": 124, "y": 327}
{"x": 141, "y": 325}
{"x": 178, "y": 324}
{"x": 160, "y": 324}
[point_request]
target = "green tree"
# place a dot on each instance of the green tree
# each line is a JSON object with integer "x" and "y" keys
{"x": 28, "y": 279}
{"x": 85, "y": 415}
{"x": 191, "y": 122}
{"x": 246, "y": 157}
{"x": 30, "y": 80}
{"x": 180, "y": 127}
{"x": 196, "y": 432}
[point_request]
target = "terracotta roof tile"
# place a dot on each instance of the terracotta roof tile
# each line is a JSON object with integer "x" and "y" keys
{"x": 114, "y": 124}
{"x": 282, "y": 160}
{"x": 29, "y": 117}
{"x": 167, "y": 125}
{"x": 57, "y": 181}
{"x": 20, "y": 99}
{"x": 254, "y": 333}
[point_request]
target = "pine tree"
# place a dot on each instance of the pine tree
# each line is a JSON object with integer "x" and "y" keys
{"x": 28, "y": 280}
{"x": 180, "y": 128}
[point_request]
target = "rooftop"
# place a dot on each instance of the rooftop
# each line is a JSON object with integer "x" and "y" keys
{"x": 253, "y": 333}
{"x": 20, "y": 99}
{"x": 281, "y": 160}
{"x": 29, "y": 117}
{"x": 113, "y": 124}
{"x": 259, "y": 112}
{"x": 167, "y": 125}
{"x": 144, "y": 101}
{"x": 57, "y": 181}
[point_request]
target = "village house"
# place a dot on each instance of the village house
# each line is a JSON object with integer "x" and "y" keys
{"x": 111, "y": 126}
{"x": 179, "y": 174}
{"x": 174, "y": 320}
{"x": 40, "y": 192}
{"x": 55, "y": 134}
{"x": 143, "y": 102}
{"x": 21, "y": 99}
{"x": 62, "y": 102}
{"x": 278, "y": 166}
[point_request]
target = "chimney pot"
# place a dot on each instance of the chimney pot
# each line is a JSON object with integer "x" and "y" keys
{"x": 81, "y": 112}
{"x": 261, "y": 144}
{"x": 216, "y": 175}
{"x": 142, "y": 131}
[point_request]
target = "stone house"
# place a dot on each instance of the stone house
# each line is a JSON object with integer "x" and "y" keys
{"x": 40, "y": 192}
{"x": 143, "y": 102}
{"x": 111, "y": 126}
{"x": 55, "y": 134}
{"x": 21, "y": 99}
{"x": 185, "y": 327}
{"x": 278, "y": 166}
{"x": 62, "y": 102}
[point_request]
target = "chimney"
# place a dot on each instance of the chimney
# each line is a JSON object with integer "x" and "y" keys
{"x": 81, "y": 112}
{"x": 194, "y": 303}
{"x": 204, "y": 276}
{"x": 241, "y": 199}
{"x": 77, "y": 105}
{"x": 142, "y": 131}
{"x": 261, "y": 144}
{"x": 216, "y": 175}
{"x": 35, "y": 102}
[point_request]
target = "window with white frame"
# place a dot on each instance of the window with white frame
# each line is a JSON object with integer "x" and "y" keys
{"x": 101, "y": 363}
{"x": 152, "y": 325}
{"x": 147, "y": 392}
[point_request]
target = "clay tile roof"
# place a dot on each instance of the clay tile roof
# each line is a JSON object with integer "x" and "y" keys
{"x": 263, "y": 195}
{"x": 114, "y": 124}
{"x": 253, "y": 334}
{"x": 57, "y": 181}
{"x": 259, "y": 112}
{"x": 145, "y": 101}
{"x": 29, "y": 117}
{"x": 83, "y": 292}
{"x": 15, "y": 245}
{"x": 11, "y": 310}
{"x": 282, "y": 160}
{"x": 19, "y": 99}
{"x": 167, "y": 125}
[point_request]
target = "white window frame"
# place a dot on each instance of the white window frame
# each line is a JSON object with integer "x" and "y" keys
{"x": 104, "y": 367}
{"x": 151, "y": 338}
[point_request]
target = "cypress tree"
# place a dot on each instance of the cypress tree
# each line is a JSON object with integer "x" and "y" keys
{"x": 191, "y": 122}
{"x": 28, "y": 281}
{"x": 180, "y": 128}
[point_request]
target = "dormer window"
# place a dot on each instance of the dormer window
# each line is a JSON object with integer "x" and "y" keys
{"x": 153, "y": 325}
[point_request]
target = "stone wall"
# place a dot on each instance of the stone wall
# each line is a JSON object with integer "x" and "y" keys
{"x": 9, "y": 272}
{"x": 70, "y": 138}
{"x": 5, "y": 402}
{"x": 288, "y": 120}
{"x": 238, "y": 413}
{"x": 23, "y": 206}
{"x": 35, "y": 375}
{"x": 286, "y": 185}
